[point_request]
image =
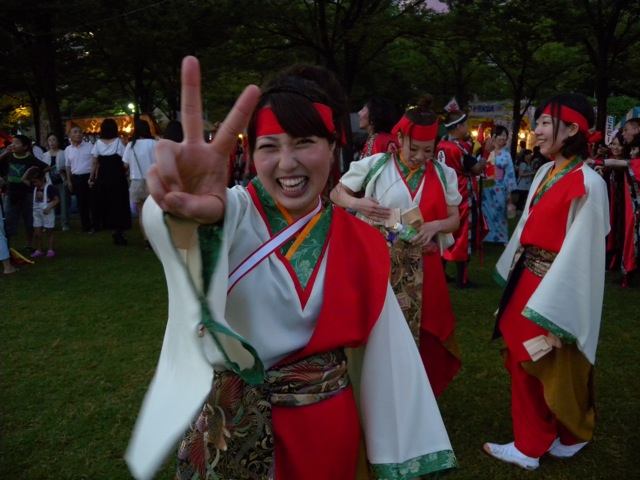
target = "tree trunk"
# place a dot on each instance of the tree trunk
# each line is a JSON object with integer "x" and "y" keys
{"x": 138, "y": 90}
{"x": 43, "y": 60}
{"x": 517, "y": 121}
{"x": 602, "y": 90}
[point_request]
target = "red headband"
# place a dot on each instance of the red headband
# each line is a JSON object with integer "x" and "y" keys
{"x": 267, "y": 123}
{"x": 416, "y": 132}
{"x": 595, "y": 137}
{"x": 569, "y": 115}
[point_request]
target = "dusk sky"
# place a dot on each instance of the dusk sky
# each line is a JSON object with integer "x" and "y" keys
{"x": 437, "y": 5}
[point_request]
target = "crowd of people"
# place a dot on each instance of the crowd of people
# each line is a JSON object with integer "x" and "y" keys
{"x": 107, "y": 178}
{"x": 298, "y": 323}
{"x": 620, "y": 166}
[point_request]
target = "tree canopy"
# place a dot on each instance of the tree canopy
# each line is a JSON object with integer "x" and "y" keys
{"x": 94, "y": 57}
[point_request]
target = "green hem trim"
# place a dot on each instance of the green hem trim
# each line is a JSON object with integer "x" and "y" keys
{"x": 547, "y": 324}
{"x": 430, "y": 463}
{"x": 498, "y": 278}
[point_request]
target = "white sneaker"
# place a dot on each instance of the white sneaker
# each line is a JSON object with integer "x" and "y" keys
{"x": 510, "y": 454}
{"x": 558, "y": 450}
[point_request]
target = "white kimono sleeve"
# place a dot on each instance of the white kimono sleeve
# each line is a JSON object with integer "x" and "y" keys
{"x": 568, "y": 301}
{"x": 571, "y": 293}
{"x": 189, "y": 353}
{"x": 404, "y": 431}
{"x": 183, "y": 376}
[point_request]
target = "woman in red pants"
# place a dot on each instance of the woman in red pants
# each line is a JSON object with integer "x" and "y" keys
{"x": 550, "y": 312}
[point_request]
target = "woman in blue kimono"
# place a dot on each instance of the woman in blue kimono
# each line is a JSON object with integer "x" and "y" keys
{"x": 497, "y": 187}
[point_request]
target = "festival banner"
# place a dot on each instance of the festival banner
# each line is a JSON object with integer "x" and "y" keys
{"x": 452, "y": 105}
{"x": 608, "y": 129}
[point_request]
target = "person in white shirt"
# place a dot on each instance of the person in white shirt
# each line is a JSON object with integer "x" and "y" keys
{"x": 78, "y": 160}
{"x": 139, "y": 156}
{"x": 111, "y": 207}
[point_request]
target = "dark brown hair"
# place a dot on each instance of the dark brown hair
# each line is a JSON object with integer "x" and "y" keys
{"x": 108, "y": 129}
{"x": 578, "y": 143}
{"x": 291, "y": 94}
{"x": 452, "y": 117}
{"x": 382, "y": 114}
{"x": 421, "y": 114}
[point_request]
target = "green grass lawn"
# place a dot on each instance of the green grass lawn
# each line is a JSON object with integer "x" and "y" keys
{"x": 80, "y": 337}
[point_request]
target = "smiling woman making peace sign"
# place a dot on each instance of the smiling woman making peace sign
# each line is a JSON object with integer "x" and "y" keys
{"x": 264, "y": 296}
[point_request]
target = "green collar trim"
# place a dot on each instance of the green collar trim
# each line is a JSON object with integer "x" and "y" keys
{"x": 566, "y": 169}
{"x": 307, "y": 255}
{"x": 381, "y": 162}
{"x": 414, "y": 181}
{"x": 441, "y": 173}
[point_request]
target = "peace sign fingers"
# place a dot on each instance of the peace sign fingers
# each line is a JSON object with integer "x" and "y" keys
{"x": 190, "y": 179}
{"x": 237, "y": 120}
{"x": 191, "y": 101}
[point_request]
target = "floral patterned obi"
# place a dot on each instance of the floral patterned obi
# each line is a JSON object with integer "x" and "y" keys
{"x": 537, "y": 260}
{"x": 233, "y": 436}
{"x": 307, "y": 381}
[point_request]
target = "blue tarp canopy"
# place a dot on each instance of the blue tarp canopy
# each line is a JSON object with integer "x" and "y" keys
{"x": 633, "y": 113}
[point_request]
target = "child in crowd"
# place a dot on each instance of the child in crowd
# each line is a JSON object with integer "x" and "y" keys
{"x": 45, "y": 199}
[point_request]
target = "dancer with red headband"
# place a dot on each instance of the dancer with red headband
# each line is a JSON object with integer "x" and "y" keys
{"x": 265, "y": 294}
{"x": 553, "y": 272}
{"x": 455, "y": 150}
{"x": 410, "y": 189}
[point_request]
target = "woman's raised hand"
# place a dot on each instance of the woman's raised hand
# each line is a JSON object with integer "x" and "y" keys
{"x": 189, "y": 179}
{"x": 490, "y": 144}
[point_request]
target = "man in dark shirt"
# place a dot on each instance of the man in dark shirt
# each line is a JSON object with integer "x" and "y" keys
{"x": 18, "y": 201}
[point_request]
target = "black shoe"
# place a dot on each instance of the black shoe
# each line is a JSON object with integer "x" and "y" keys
{"x": 461, "y": 275}
{"x": 118, "y": 239}
{"x": 467, "y": 284}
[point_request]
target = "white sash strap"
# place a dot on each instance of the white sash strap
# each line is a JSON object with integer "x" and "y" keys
{"x": 270, "y": 246}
